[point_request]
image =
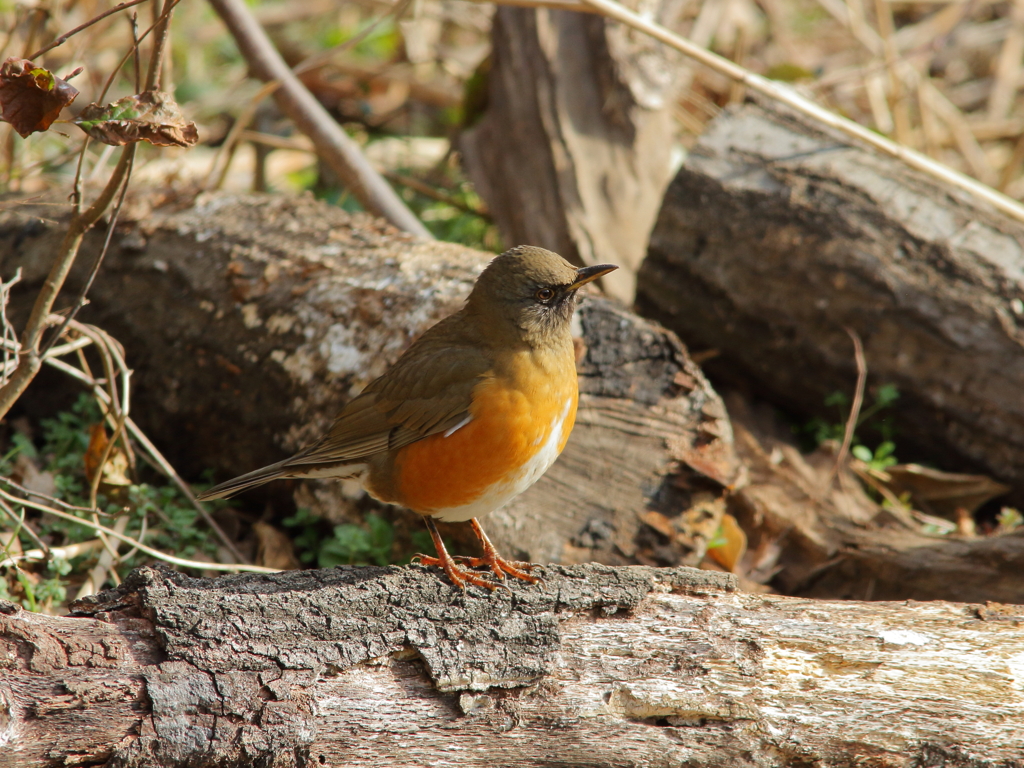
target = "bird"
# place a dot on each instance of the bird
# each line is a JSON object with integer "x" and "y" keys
{"x": 469, "y": 416}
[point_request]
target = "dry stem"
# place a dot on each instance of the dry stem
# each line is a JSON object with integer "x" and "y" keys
{"x": 794, "y": 100}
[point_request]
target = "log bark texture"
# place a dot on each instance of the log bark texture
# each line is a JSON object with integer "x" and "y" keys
{"x": 598, "y": 666}
{"x": 250, "y": 320}
{"x": 581, "y": 108}
{"x": 776, "y": 235}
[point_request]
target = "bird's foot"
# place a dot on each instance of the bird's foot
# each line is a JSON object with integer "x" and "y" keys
{"x": 500, "y": 566}
{"x": 458, "y": 575}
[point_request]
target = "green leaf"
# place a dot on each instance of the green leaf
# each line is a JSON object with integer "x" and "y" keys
{"x": 886, "y": 395}
{"x": 863, "y": 453}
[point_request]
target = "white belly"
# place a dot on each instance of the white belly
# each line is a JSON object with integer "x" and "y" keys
{"x": 499, "y": 495}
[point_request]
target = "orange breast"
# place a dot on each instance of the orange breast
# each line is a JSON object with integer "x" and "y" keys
{"x": 514, "y": 416}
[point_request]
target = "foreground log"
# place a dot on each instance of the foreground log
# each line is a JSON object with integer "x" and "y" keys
{"x": 776, "y": 235}
{"x": 598, "y": 666}
{"x": 250, "y": 320}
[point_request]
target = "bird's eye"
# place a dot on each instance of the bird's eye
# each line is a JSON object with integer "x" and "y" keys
{"x": 545, "y": 294}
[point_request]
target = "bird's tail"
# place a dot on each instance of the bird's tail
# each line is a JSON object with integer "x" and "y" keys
{"x": 279, "y": 471}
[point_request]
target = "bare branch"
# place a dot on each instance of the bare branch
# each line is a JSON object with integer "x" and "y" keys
{"x": 30, "y": 360}
{"x": 336, "y": 148}
{"x": 227, "y": 148}
{"x": 68, "y": 35}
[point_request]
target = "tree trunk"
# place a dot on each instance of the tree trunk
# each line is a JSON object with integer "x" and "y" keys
{"x": 582, "y": 110}
{"x": 776, "y": 235}
{"x": 597, "y": 666}
{"x": 250, "y": 320}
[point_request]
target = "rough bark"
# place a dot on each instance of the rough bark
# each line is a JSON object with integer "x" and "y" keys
{"x": 775, "y": 235}
{"x": 581, "y": 109}
{"x": 598, "y": 666}
{"x": 250, "y": 320}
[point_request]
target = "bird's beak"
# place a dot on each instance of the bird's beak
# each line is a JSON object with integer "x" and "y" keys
{"x": 588, "y": 274}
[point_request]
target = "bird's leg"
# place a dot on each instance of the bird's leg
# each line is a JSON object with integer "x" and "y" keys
{"x": 458, "y": 575}
{"x": 496, "y": 562}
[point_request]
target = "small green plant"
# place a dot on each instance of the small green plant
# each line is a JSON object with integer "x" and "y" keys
{"x": 1009, "y": 519}
{"x": 160, "y": 512}
{"x": 370, "y": 544}
{"x": 348, "y": 544}
{"x": 819, "y": 430}
{"x": 352, "y": 544}
{"x": 878, "y": 459}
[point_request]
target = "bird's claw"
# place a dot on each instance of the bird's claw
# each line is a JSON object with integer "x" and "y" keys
{"x": 500, "y": 566}
{"x": 458, "y": 576}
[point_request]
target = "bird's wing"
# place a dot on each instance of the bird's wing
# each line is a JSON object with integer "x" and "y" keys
{"x": 428, "y": 390}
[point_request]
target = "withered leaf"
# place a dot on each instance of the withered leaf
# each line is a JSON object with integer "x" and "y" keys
{"x": 732, "y": 545}
{"x": 31, "y": 97}
{"x": 116, "y": 467}
{"x": 942, "y": 493}
{"x": 151, "y": 116}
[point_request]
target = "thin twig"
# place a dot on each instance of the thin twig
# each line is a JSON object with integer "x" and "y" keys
{"x": 227, "y": 148}
{"x": 111, "y": 226}
{"x": 66, "y": 552}
{"x": 68, "y": 35}
{"x": 108, "y": 449}
{"x": 23, "y": 525}
{"x": 436, "y": 194}
{"x": 130, "y": 53}
{"x": 858, "y": 401}
{"x": 51, "y": 499}
{"x": 162, "y": 27}
{"x": 136, "y": 54}
{"x": 115, "y": 405}
{"x": 155, "y": 454}
{"x": 30, "y": 360}
{"x": 142, "y": 547}
{"x": 791, "y": 98}
{"x": 10, "y": 338}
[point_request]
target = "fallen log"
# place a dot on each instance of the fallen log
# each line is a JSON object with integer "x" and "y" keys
{"x": 776, "y": 235}
{"x": 250, "y": 320}
{"x": 597, "y": 666}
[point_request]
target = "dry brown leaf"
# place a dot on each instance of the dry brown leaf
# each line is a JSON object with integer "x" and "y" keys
{"x": 274, "y": 548}
{"x": 151, "y": 116}
{"x": 31, "y": 97}
{"x": 729, "y": 553}
{"x": 115, "y": 471}
{"x": 942, "y": 493}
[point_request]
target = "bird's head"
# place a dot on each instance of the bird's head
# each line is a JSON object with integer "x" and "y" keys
{"x": 530, "y": 293}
